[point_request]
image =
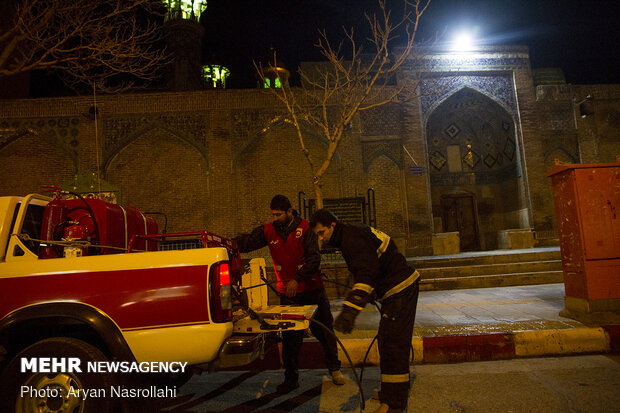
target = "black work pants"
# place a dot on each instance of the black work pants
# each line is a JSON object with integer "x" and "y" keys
{"x": 395, "y": 333}
{"x": 292, "y": 340}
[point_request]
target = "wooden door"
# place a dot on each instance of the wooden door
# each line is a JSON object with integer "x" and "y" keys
{"x": 459, "y": 215}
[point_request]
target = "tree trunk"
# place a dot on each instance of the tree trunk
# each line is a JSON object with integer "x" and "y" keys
{"x": 318, "y": 193}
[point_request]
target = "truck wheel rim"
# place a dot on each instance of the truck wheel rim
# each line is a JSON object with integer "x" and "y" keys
{"x": 51, "y": 394}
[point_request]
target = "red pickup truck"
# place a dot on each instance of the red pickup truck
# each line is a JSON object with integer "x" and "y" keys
{"x": 90, "y": 293}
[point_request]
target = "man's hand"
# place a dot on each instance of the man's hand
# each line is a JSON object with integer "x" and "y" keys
{"x": 291, "y": 288}
{"x": 345, "y": 320}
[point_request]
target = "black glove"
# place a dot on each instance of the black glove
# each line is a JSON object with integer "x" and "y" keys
{"x": 346, "y": 319}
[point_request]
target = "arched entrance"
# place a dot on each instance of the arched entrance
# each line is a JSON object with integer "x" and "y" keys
{"x": 477, "y": 187}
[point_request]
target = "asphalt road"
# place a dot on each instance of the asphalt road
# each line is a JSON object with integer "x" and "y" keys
{"x": 566, "y": 384}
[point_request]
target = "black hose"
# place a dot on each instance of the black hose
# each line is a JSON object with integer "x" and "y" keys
{"x": 268, "y": 284}
{"x": 370, "y": 346}
{"x": 165, "y": 219}
{"x": 92, "y": 215}
{"x": 330, "y": 331}
{"x": 337, "y": 283}
{"x": 366, "y": 356}
{"x": 263, "y": 276}
{"x": 357, "y": 379}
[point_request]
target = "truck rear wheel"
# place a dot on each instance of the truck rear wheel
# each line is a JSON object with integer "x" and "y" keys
{"x": 59, "y": 392}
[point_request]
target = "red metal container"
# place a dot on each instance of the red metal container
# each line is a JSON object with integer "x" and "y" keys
{"x": 587, "y": 205}
{"x": 115, "y": 224}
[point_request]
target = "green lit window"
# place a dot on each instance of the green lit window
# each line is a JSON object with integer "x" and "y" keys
{"x": 276, "y": 83}
{"x": 185, "y": 9}
{"x": 215, "y": 75}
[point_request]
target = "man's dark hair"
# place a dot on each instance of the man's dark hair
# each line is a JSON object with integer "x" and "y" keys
{"x": 324, "y": 217}
{"x": 280, "y": 203}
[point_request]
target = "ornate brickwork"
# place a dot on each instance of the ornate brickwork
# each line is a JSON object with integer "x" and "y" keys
{"x": 558, "y": 116}
{"x": 213, "y": 159}
{"x": 249, "y": 124}
{"x": 381, "y": 121}
{"x": 498, "y": 87}
{"x": 61, "y": 131}
{"x": 477, "y": 131}
{"x": 476, "y": 62}
{"x": 392, "y": 149}
{"x": 119, "y": 131}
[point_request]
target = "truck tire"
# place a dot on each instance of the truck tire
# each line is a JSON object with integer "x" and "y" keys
{"x": 48, "y": 392}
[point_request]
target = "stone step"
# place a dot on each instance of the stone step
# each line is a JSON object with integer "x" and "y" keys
{"x": 494, "y": 280}
{"x": 490, "y": 269}
{"x": 485, "y": 257}
{"x": 455, "y": 283}
{"x": 469, "y": 270}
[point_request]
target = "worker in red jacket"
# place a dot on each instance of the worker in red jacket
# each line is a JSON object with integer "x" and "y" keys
{"x": 296, "y": 257}
{"x": 381, "y": 273}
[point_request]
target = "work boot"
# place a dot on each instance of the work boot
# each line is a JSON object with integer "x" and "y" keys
{"x": 287, "y": 386}
{"x": 384, "y": 408}
{"x": 337, "y": 377}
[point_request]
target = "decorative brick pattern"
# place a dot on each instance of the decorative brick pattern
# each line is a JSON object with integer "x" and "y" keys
{"x": 382, "y": 121}
{"x": 119, "y": 131}
{"x": 215, "y": 158}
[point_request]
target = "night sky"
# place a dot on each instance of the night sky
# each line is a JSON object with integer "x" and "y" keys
{"x": 581, "y": 37}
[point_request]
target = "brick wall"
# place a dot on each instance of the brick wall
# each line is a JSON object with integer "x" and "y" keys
{"x": 213, "y": 159}
{"x": 568, "y": 136}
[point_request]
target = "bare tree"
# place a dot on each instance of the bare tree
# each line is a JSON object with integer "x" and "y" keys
{"x": 332, "y": 94}
{"x": 87, "y": 41}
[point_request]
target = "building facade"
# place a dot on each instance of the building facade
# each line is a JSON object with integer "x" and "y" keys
{"x": 470, "y": 158}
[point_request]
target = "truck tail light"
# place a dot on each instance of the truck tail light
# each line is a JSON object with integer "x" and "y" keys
{"x": 219, "y": 286}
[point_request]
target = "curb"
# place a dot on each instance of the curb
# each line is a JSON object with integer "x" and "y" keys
{"x": 498, "y": 346}
{"x": 465, "y": 347}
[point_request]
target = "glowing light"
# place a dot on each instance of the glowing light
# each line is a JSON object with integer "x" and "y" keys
{"x": 276, "y": 83}
{"x": 215, "y": 75}
{"x": 463, "y": 42}
{"x": 185, "y": 9}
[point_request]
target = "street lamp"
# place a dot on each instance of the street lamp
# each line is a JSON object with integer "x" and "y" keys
{"x": 463, "y": 42}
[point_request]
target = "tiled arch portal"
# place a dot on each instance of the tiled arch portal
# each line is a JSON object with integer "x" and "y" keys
{"x": 472, "y": 152}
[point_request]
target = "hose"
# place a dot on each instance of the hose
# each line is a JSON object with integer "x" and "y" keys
{"x": 330, "y": 331}
{"x": 165, "y": 219}
{"x": 92, "y": 215}
{"x": 357, "y": 379}
{"x": 366, "y": 356}
{"x": 370, "y": 346}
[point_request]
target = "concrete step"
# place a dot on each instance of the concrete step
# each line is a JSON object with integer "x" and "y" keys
{"x": 490, "y": 269}
{"x": 501, "y": 268}
{"x": 456, "y": 283}
{"x": 492, "y": 280}
{"x": 486, "y": 257}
